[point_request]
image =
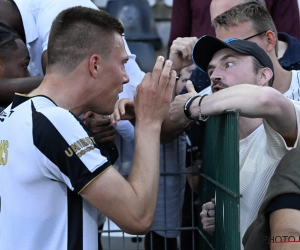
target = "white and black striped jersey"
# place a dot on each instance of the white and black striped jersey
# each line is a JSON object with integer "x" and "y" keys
{"x": 47, "y": 158}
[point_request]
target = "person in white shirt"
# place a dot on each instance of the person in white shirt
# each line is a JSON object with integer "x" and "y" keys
{"x": 241, "y": 75}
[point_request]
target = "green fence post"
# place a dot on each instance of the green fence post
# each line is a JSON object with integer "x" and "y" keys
{"x": 219, "y": 179}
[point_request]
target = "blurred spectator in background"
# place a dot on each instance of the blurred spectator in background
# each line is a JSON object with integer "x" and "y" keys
{"x": 191, "y": 17}
{"x": 14, "y": 56}
{"x": 184, "y": 75}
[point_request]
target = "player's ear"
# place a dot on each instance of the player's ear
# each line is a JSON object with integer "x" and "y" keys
{"x": 94, "y": 65}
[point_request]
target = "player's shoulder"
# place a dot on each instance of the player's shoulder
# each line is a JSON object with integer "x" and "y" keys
{"x": 45, "y": 107}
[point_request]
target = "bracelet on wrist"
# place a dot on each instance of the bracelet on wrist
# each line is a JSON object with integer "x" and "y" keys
{"x": 186, "y": 108}
{"x": 202, "y": 118}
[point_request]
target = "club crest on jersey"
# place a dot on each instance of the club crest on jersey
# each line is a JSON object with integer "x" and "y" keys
{"x": 3, "y": 151}
{"x": 81, "y": 147}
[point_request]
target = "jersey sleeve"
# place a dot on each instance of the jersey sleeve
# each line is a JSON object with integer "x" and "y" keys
{"x": 66, "y": 152}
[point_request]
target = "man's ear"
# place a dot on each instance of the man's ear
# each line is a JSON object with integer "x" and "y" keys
{"x": 265, "y": 76}
{"x": 271, "y": 40}
{"x": 94, "y": 65}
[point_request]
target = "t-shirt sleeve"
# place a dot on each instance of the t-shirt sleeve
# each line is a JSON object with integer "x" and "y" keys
{"x": 277, "y": 145}
{"x": 283, "y": 201}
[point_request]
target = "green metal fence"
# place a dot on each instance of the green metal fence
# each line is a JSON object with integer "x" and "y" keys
{"x": 219, "y": 179}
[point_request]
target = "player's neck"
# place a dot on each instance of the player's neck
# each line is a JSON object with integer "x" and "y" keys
{"x": 58, "y": 90}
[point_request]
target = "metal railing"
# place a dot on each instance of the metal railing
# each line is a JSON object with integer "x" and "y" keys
{"x": 218, "y": 179}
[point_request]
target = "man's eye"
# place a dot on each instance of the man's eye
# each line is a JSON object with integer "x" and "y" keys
{"x": 228, "y": 64}
{"x": 25, "y": 66}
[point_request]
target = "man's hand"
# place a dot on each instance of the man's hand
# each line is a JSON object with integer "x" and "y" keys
{"x": 208, "y": 217}
{"x": 176, "y": 111}
{"x": 181, "y": 52}
{"x": 124, "y": 110}
{"x": 153, "y": 95}
{"x": 100, "y": 126}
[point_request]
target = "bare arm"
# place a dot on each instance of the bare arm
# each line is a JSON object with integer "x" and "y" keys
{"x": 131, "y": 205}
{"x": 8, "y": 86}
{"x": 256, "y": 102}
{"x": 282, "y": 223}
{"x": 124, "y": 110}
{"x": 252, "y": 100}
{"x": 170, "y": 130}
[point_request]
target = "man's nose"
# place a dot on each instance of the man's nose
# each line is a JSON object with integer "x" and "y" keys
{"x": 126, "y": 78}
{"x": 216, "y": 76}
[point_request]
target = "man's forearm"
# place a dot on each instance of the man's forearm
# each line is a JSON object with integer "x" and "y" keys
{"x": 9, "y": 86}
{"x": 170, "y": 130}
{"x": 144, "y": 175}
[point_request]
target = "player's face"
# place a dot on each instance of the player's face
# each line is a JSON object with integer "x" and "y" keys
{"x": 16, "y": 64}
{"x": 113, "y": 76}
{"x": 228, "y": 68}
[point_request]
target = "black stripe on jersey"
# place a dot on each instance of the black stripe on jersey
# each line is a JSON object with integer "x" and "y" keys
{"x": 52, "y": 144}
{"x": 75, "y": 218}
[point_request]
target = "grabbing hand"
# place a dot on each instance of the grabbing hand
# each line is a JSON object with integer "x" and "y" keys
{"x": 100, "y": 126}
{"x": 124, "y": 110}
{"x": 208, "y": 217}
{"x": 181, "y": 52}
{"x": 176, "y": 111}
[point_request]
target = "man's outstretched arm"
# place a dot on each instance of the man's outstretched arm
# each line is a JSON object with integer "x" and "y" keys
{"x": 253, "y": 102}
{"x": 9, "y": 86}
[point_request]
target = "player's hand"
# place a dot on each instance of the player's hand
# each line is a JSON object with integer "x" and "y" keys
{"x": 100, "y": 126}
{"x": 124, "y": 110}
{"x": 176, "y": 111}
{"x": 208, "y": 217}
{"x": 181, "y": 52}
{"x": 154, "y": 94}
